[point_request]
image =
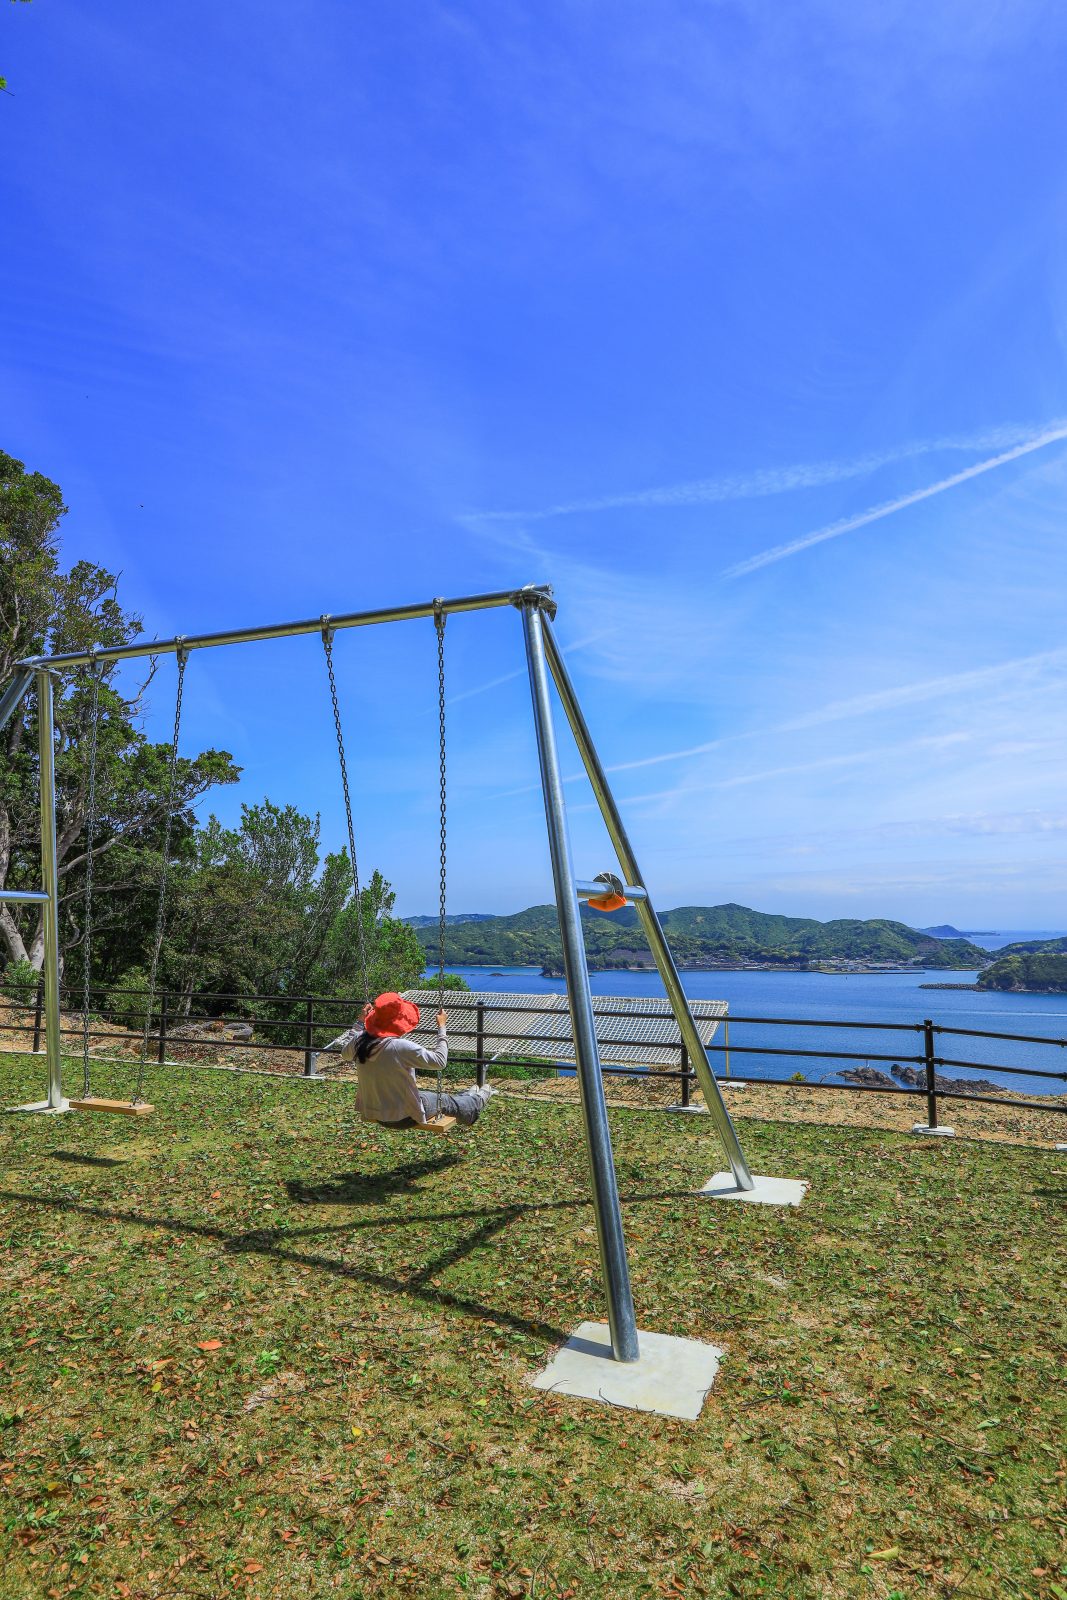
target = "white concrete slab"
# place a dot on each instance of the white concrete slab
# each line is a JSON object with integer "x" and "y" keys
{"x": 671, "y": 1378}
{"x": 42, "y": 1108}
{"x": 1061, "y": 1147}
{"x": 767, "y": 1191}
{"x": 934, "y": 1133}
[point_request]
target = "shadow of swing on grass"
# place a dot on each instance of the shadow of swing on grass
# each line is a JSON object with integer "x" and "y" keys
{"x": 364, "y": 1188}
{"x": 419, "y": 1286}
{"x": 269, "y": 1243}
{"x": 78, "y": 1160}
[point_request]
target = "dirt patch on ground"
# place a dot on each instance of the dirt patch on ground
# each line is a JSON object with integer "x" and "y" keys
{"x": 1016, "y": 1119}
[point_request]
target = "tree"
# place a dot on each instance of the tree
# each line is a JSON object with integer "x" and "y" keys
{"x": 395, "y": 958}
{"x": 252, "y": 905}
{"x": 44, "y": 610}
{"x": 257, "y": 911}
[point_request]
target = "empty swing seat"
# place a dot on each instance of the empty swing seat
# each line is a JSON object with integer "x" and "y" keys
{"x": 124, "y": 1108}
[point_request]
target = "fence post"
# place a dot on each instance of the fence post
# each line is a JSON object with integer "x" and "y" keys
{"x": 309, "y": 1039}
{"x": 931, "y": 1074}
{"x": 161, "y": 1050}
{"x": 479, "y": 1044}
{"x": 37, "y": 1016}
{"x": 684, "y": 1056}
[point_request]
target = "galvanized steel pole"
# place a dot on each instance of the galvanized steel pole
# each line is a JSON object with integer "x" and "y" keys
{"x": 621, "y": 1321}
{"x": 183, "y": 643}
{"x": 13, "y": 695}
{"x": 46, "y": 734}
{"x": 650, "y": 922}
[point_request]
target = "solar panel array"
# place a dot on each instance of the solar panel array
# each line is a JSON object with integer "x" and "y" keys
{"x": 538, "y": 1026}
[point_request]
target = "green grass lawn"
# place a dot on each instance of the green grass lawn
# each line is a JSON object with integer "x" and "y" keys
{"x": 250, "y": 1346}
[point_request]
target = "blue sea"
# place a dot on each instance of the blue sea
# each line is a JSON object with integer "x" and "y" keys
{"x": 849, "y": 997}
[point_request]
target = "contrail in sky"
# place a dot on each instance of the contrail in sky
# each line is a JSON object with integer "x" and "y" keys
{"x": 761, "y": 483}
{"x": 779, "y": 552}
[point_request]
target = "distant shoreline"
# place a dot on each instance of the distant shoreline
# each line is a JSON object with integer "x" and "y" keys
{"x": 796, "y": 971}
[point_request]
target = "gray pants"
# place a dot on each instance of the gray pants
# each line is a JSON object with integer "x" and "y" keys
{"x": 466, "y": 1107}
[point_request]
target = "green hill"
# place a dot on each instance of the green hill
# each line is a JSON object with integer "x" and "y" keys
{"x": 715, "y": 935}
{"x": 1024, "y": 947}
{"x": 1032, "y": 970}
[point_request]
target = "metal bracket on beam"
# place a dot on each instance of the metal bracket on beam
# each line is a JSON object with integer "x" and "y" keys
{"x": 536, "y": 594}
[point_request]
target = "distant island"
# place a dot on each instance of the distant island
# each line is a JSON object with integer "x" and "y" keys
{"x": 1028, "y": 968}
{"x": 706, "y": 937}
{"x": 1032, "y": 966}
{"x": 945, "y": 930}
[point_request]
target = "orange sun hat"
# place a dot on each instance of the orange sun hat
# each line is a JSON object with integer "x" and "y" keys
{"x": 608, "y": 902}
{"x": 391, "y": 1016}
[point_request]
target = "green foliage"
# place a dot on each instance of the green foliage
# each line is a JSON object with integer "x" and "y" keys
{"x": 717, "y": 934}
{"x": 257, "y": 911}
{"x": 20, "y": 982}
{"x": 46, "y": 609}
{"x": 1034, "y": 972}
{"x": 126, "y": 1001}
{"x": 451, "y": 980}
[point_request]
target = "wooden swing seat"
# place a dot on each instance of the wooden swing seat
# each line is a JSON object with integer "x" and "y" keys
{"x": 435, "y": 1125}
{"x": 124, "y": 1108}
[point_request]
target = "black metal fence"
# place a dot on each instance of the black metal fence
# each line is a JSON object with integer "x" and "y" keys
{"x": 304, "y": 1024}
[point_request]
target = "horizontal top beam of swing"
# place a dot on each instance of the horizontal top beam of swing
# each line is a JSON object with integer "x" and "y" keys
{"x": 536, "y": 593}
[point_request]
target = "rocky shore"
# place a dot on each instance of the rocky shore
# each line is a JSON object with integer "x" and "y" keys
{"x": 915, "y": 1078}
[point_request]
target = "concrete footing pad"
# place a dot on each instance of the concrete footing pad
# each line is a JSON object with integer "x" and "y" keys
{"x": 42, "y": 1108}
{"x": 934, "y": 1133}
{"x": 1061, "y": 1147}
{"x": 767, "y": 1191}
{"x": 671, "y": 1378}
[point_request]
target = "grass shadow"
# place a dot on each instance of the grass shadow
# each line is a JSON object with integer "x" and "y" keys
{"x": 87, "y": 1161}
{"x": 270, "y": 1243}
{"x": 365, "y": 1188}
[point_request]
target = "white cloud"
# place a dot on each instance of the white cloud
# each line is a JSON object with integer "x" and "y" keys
{"x": 1018, "y": 674}
{"x": 756, "y": 485}
{"x": 1053, "y": 434}
{"x": 852, "y": 758}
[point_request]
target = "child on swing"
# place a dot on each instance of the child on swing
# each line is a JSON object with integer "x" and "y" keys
{"x": 388, "y": 1093}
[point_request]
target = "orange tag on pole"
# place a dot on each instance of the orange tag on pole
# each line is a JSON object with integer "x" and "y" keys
{"x": 608, "y": 902}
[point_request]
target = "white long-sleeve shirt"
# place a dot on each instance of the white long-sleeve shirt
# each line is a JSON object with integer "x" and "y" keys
{"x": 387, "y": 1089}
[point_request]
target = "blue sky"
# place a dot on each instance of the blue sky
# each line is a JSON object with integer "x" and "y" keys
{"x": 319, "y": 307}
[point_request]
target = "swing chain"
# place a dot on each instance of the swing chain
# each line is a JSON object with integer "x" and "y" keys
{"x": 439, "y": 623}
{"x": 327, "y": 645}
{"x": 90, "y": 835}
{"x": 439, "y": 619}
{"x": 161, "y": 905}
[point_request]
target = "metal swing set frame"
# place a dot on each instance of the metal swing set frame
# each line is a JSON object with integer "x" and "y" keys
{"x": 545, "y": 664}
